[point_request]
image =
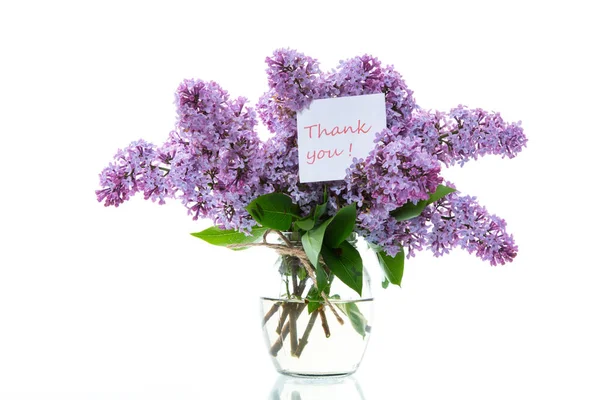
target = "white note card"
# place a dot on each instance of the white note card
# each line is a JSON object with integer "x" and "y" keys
{"x": 331, "y": 132}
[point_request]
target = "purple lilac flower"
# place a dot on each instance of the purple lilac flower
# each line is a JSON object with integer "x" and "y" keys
{"x": 461, "y": 221}
{"x": 292, "y": 76}
{"x": 399, "y": 102}
{"x": 215, "y": 165}
{"x": 293, "y": 80}
{"x": 396, "y": 172}
{"x": 131, "y": 171}
{"x": 364, "y": 75}
{"x": 210, "y": 161}
{"x": 464, "y": 134}
{"x": 354, "y": 77}
{"x": 217, "y": 154}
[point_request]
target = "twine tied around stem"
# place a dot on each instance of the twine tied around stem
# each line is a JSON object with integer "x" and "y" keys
{"x": 290, "y": 250}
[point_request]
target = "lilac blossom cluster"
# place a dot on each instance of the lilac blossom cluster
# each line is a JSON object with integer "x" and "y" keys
{"x": 214, "y": 163}
{"x": 464, "y": 134}
{"x": 396, "y": 172}
{"x": 460, "y": 221}
{"x": 209, "y": 161}
{"x": 133, "y": 169}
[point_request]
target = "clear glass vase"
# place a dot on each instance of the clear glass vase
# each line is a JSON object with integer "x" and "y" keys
{"x": 312, "y": 335}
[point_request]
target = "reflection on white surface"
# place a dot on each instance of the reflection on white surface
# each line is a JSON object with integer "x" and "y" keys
{"x": 292, "y": 388}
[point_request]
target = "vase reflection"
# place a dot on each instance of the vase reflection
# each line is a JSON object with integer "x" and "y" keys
{"x": 331, "y": 388}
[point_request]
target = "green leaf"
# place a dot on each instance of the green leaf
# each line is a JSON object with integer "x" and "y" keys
{"x": 316, "y": 213}
{"x": 273, "y": 210}
{"x": 322, "y": 278}
{"x": 312, "y": 241}
{"x": 314, "y": 300}
{"x": 385, "y": 283}
{"x": 319, "y": 211}
{"x": 358, "y": 321}
{"x": 393, "y": 267}
{"x": 296, "y": 210}
{"x": 222, "y": 237}
{"x": 345, "y": 263}
{"x": 313, "y": 306}
{"x": 306, "y": 224}
{"x": 342, "y": 226}
{"x": 411, "y": 210}
{"x": 321, "y": 208}
{"x": 440, "y": 192}
{"x": 302, "y": 274}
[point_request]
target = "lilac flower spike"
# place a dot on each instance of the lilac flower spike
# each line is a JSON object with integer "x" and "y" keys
{"x": 214, "y": 163}
{"x": 464, "y": 134}
{"x": 460, "y": 221}
{"x": 131, "y": 171}
{"x": 292, "y": 77}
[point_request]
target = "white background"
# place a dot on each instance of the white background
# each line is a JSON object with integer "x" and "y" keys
{"x": 106, "y": 303}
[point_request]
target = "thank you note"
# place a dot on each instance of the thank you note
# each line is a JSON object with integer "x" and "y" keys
{"x": 331, "y": 132}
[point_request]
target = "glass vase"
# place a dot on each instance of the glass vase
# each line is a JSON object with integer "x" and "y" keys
{"x": 310, "y": 334}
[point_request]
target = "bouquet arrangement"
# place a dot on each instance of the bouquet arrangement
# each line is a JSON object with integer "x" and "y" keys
{"x": 395, "y": 198}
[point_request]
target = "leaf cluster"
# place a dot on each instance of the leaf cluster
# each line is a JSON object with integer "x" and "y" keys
{"x": 325, "y": 239}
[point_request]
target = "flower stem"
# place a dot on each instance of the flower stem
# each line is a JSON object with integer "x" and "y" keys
{"x": 304, "y": 339}
{"x": 324, "y": 322}
{"x": 286, "y": 240}
{"x": 293, "y": 318}
{"x": 301, "y": 255}
{"x": 271, "y": 312}
{"x": 284, "y": 315}
{"x": 285, "y": 331}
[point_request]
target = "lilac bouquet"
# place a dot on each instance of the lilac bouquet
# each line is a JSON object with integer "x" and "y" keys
{"x": 395, "y": 198}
